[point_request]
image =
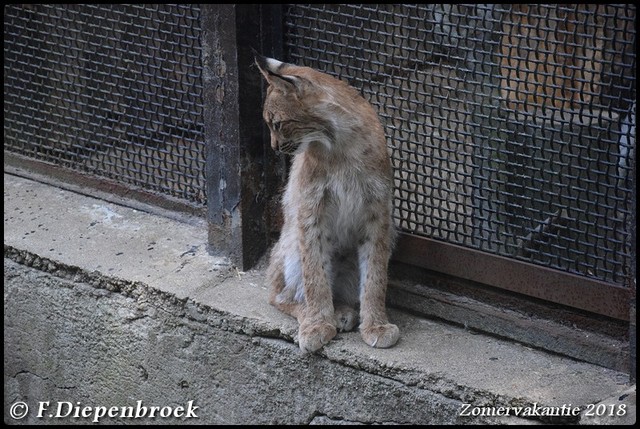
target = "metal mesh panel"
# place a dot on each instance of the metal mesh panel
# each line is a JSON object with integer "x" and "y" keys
{"x": 113, "y": 90}
{"x": 511, "y": 129}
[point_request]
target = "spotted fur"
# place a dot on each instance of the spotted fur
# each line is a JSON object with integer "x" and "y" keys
{"x": 329, "y": 267}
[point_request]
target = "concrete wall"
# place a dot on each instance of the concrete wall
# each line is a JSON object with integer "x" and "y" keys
{"x": 70, "y": 341}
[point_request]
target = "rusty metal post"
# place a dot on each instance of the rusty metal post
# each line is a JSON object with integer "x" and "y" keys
{"x": 241, "y": 177}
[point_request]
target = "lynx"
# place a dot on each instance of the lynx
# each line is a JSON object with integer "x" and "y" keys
{"x": 337, "y": 236}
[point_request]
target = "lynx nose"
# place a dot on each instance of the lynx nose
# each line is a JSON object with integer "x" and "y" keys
{"x": 275, "y": 145}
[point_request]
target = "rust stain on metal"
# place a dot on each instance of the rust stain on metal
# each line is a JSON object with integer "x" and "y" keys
{"x": 549, "y": 284}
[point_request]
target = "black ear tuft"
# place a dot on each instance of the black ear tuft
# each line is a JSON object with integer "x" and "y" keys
{"x": 271, "y": 70}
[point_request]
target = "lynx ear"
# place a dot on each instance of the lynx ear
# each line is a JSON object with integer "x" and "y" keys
{"x": 271, "y": 69}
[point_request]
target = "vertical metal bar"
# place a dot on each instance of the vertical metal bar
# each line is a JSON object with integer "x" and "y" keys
{"x": 220, "y": 80}
{"x": 271, "y": 31}
{"x": 257, "y": 28}
{"x": 631, "y": 269}
{"x": 240, "y": 172}
{"x": 271, "y": 45}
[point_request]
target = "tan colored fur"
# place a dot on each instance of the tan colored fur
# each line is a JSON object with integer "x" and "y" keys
{"x": 334, "y": 248}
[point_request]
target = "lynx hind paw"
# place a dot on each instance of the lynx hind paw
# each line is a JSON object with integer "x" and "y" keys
{"x": 380, "y": 336}
{"x": 313, "y": 337}
{"x": 345, "y": 318}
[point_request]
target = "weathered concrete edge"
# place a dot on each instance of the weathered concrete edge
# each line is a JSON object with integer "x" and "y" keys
{"x": 281, "y": 354}
{"x": 242, "y": 325}
{"x": 131, "y": 288}
{"x": 227, "y": 321}
{"x": 239, "y": 324}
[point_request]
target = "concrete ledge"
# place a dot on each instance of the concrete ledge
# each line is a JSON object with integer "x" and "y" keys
{"x": 107, "y": 306}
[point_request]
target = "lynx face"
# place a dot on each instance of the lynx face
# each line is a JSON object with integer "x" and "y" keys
{"x": 298, "y": 110}
{"x": 291, "y": 130}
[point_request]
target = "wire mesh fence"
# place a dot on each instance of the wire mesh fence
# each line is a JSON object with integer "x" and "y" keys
{"x": 110, "y": 90}
{"x": 511, "y": 128}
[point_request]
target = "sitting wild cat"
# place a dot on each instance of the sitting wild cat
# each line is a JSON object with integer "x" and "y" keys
{"x": 337, "y": 236}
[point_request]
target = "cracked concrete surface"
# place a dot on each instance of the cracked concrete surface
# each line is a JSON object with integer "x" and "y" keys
{"x": 106, "y": 305}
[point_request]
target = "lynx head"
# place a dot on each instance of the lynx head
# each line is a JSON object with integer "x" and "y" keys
{"x": 304, "y": 106}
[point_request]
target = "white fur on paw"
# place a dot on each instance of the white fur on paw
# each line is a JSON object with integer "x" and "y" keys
{"x": 345, "y": 318}
{"x": 381, "y": 336}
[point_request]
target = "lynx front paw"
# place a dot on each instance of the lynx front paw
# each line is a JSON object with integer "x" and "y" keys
{"x": 313, "y": 337}
{"x": 380, "y": 336}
